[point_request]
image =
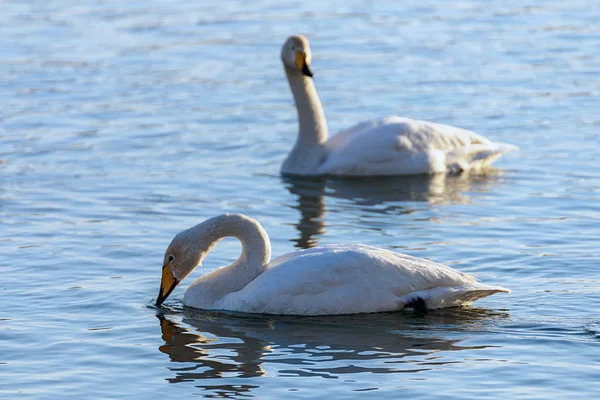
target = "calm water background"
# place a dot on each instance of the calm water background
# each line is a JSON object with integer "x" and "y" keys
{"x": 123, "y": 123}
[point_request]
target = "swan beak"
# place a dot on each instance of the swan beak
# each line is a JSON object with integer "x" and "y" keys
{"x": 302, "y": 65}
{"x": 167, "y": 284}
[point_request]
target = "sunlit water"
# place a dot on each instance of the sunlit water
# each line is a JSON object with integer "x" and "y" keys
{"x": 123, "y": 123}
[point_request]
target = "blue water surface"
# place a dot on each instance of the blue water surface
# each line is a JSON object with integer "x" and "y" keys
{"x": 124, "y": 122}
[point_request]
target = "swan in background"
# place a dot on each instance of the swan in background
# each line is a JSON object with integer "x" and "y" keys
{"x": 328, "y": 280}
{"x": 385, "y": 146}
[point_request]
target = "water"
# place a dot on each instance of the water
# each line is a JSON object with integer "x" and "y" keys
{"x": 126, "y": 122}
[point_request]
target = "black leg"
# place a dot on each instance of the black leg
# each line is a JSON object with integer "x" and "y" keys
{"x": 418, "y": 305}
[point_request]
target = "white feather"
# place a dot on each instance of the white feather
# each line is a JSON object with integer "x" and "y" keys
{"x": 403, "y": 146}
{"x": 348, "y": 279}
{"x": 328, "y": 280}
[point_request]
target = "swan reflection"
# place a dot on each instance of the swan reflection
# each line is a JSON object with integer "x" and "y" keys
{"x": 383, "y": 195}
{"x": 207, "y": 346}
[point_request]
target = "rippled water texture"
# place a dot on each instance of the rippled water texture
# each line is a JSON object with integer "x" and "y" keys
{"x": 125, "y": 122}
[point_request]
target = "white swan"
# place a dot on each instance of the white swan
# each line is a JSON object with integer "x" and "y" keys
{"x": 337, "y": 279}
{"x": 384, "y": 146}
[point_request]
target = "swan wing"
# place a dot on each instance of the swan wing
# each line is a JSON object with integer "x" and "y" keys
{"x": 346, "y": 279}
{"x": 403, "y": 146}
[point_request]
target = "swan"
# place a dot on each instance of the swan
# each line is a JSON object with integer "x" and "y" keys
{"x": 327, "y": 280}
{"x": 384, "y": 146}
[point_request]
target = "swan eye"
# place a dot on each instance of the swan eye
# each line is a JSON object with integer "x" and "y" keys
{"x": 171, "y": 258}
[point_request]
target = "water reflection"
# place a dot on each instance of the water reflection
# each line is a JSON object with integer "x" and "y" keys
{"x": 211, "y": 345}
{"x": 394, "y": 192}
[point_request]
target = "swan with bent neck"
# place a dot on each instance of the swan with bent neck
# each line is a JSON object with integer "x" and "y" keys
{"x": 384, "y": 146}
{"x": 327, "y": 280}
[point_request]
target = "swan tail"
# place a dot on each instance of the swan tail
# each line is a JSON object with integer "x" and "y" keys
{"x": 478, "y": 156}
{"x": 505, "y": 147}
{"x": 451, "y": 296}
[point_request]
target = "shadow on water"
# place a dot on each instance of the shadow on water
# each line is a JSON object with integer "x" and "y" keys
{"x": 213, "y": 345}
{"x": 370, "y": 194}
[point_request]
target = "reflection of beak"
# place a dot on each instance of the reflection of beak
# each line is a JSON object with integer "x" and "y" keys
{"x": 302, "y": 64}
{"x": 167, "y": 284}
{"x": 168, "y": 328}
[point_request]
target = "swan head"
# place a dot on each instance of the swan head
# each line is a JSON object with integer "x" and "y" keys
{"x": 296, "y": 55}
{"x": 181, "y": 258}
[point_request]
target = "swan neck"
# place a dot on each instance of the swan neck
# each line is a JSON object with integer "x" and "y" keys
{"x": 253, "y": 261}
{"x": 311, "y": 117}
{"x": 309, "y": 151}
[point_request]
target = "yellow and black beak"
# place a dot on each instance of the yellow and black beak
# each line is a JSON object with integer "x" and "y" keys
{"x": 302, "y": 64}
{"x": 167, "y": 284}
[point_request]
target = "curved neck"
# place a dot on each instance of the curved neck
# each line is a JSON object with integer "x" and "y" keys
{"x": 308, "y": 152}
{"x": 256, "y": 253}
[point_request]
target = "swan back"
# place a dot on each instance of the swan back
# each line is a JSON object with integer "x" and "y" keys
{"x": 403, "y": 146}
{"x": 347, "y": 279}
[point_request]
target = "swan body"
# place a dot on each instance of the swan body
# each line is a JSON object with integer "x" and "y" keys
{"x": 384, "y": 146}
{"x": 327, "y": 280}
